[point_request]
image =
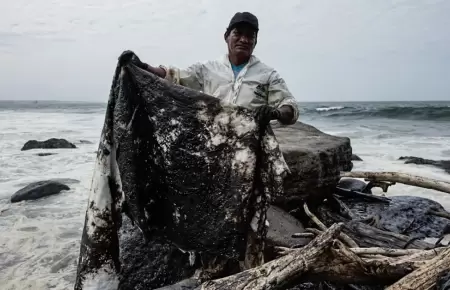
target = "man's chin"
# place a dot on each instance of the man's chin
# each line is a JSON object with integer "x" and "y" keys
{"x": 243, "y": 52}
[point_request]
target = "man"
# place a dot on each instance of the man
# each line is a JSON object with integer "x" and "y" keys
{"x": 238, "y": 77}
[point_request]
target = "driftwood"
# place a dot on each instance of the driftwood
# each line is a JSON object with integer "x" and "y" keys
{"x": 276, "y": 273}
{"x": 368, "y": 236}
{"x": 365, "y": 196}
{"x": 343, "y": 236}
{"x": 401, "y": 178}
{"x": 327, "y": 259}
{"x": 426, "y": 276}
{"x": 439, "y": 213}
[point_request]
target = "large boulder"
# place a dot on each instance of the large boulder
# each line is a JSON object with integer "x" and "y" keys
{"x": 52, "y": 143}
{"x": 315, "y": 160}
{"x": 38, "y": 189}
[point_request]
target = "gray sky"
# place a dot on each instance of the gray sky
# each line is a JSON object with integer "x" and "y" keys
{"x": 335, "y": 50}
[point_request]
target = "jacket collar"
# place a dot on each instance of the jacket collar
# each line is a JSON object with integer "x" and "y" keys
{"x": 226, "y": 61}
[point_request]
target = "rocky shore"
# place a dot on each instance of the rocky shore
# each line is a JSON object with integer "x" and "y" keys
{"x": 316, "y": 161}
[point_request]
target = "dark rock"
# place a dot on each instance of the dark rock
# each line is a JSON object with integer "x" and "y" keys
{"x": 356, "y": 158}
{"x": 86, "y": 142}
{"x": 443, "y": 164}
{"x": 38, "y": 189}
{"x": 45, "y": 154}
{"x": 406, "y": 215}
{"x": 443, "y": 282}
{"x": 315, "y": 160}
{"x": 52, "y": 143}
{"x": 281, "y": 227}
{"x": 354, "y": 185}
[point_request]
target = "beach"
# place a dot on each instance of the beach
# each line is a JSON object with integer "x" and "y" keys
{"x": 39, "y": 245}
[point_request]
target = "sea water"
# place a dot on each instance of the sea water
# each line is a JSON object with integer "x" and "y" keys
{"x": 39, "y": 240}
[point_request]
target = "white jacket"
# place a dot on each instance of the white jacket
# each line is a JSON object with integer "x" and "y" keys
{"x": 256, "y": 84}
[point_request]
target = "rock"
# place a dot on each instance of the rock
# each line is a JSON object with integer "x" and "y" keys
{"x": 443, "y": 164}
{"x": 45, "y": 154}
{"x": 86, "y": 142}
{"x": 354, "y": 185}
{"x": 443, "y": 282}
{"x": 281, "y": 227}
{"x": 406, "y": 215}
{"x": 315, "y": 160}
{"x": 58, "y": 180}
{"x": 356, "y": 158}
{"x": 38, "y": 189}
{"x": 52, "y": 143}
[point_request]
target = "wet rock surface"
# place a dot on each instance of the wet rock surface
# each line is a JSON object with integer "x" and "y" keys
{"x": 315, "y": 160}
{"x": 443, "y": 164}
{"x": 38, "y": 190}
{"x": 408, "y": 215}
{"x": 52, "y": 143}
{"x": 281, "y": 227}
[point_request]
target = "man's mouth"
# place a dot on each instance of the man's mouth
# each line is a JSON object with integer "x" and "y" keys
{"x": 242, "y": 47}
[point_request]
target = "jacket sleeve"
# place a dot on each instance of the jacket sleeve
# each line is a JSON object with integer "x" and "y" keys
{"x": 279, "y": 95}
{"x": 191, "y": 77}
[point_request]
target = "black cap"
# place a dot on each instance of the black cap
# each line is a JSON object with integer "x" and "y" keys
{"x": 243, "y": 17}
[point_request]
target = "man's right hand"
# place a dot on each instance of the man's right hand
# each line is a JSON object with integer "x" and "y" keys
{"x": 129, "y": 56}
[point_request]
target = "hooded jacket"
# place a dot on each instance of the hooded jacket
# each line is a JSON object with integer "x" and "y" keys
{"x": 256, "y": 84}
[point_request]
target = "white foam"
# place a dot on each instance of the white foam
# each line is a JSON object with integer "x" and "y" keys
{"x": 326, "y": 109}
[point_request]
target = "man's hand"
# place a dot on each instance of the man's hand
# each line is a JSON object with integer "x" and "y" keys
{"x": 129, "y": 56}
{"x": 264, "y": 114}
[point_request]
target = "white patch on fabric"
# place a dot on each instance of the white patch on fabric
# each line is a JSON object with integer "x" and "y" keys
{"x": 100, "y": 195}
{"x": 191, "y": 258}
{"x": 176, "y": 215}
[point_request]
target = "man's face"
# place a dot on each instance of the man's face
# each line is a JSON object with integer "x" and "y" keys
{"x": 242, "y": 40}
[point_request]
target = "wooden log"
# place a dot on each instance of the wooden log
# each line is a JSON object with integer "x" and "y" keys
{"x": 404, "y": 178}
{"x": 276, "y": 273}
{"x": 327, "y": 259}
{"x": 426, "y": 276}
{"x": 443, "y": 214}
{"x": 343, "y": 236}
{"x": 364, "y": 196}
{"x": 368, "y": 236}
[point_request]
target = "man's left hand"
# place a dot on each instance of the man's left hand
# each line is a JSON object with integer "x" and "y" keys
{"x": 264, "y": 114}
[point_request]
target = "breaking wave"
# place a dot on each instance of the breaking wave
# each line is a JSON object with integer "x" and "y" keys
{"x": 424, "y": 112}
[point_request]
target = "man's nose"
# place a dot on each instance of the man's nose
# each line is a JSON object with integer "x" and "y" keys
{"x": 245, "y": 38}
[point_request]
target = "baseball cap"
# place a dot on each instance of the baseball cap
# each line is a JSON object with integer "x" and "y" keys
{"x": 243, "y": 17}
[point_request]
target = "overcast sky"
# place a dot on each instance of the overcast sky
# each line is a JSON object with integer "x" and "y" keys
{"x": 334, "y": 50}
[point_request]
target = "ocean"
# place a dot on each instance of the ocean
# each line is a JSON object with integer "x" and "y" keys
{"x": 39, "y": 241}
